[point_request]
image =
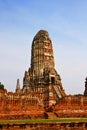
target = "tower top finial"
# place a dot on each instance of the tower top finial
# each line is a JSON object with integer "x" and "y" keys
{"x": 41, "y": 33}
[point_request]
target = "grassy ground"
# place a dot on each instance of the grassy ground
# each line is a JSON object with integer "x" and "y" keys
{"x": 63, "y": 120}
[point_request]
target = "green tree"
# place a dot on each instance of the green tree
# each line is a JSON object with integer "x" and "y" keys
{"x": 1, "y": 86}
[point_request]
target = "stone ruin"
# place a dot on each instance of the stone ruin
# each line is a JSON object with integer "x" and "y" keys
{"x": 42, "y": 76}
{"x": 42, "y": 94}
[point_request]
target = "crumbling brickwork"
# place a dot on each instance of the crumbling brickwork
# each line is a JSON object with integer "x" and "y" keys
{"x": 42, "y": 94}
{"x": 18, "y": 106}
{"x": 72, "y": 106}
{"x": 42, "y": 76}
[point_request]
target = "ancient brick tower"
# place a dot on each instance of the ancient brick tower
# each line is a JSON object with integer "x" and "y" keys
{"x": 85, "y": 92}
{"x": 42, "y": 76}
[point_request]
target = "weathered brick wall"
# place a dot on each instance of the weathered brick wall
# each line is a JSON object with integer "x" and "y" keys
{"x": 19, "y": 106}
{"x": 72, "y": 106}
{"x": 45, "y": 126}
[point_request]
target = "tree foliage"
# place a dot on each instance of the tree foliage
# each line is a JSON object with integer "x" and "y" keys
{"x": 1, "y": 86}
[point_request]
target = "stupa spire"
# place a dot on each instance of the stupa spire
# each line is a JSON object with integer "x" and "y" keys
{"x": 42, "y": 76}
{"x": 85, "y": 92}
{"x": 18, "y": 86}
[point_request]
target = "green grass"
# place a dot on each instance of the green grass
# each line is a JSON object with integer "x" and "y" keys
{"x": 63, "y": 120}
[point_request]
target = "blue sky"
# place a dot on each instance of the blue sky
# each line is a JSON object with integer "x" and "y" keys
{"x": 66, "y": 23}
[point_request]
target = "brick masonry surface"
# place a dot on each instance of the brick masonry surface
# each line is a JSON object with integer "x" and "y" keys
{"x": 45, "y": 126}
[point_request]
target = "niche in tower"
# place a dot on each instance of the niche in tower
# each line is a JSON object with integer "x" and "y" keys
{"x": 53, "y": 80}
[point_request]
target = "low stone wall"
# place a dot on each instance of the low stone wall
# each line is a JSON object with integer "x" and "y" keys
{"x": 45, "y": 126}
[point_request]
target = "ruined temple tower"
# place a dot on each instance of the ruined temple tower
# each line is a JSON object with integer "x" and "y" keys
{"x": 42, "y": 76}
{"x": 18, "y": 90}
{"x": 85, "y": 92}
